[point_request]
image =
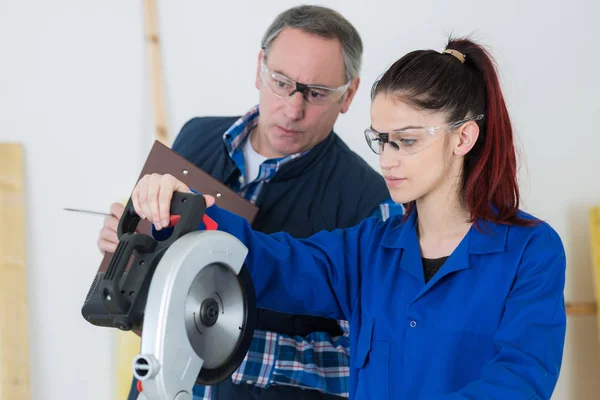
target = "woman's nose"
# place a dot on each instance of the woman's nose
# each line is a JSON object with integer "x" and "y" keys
{"x": 388, "y": 158}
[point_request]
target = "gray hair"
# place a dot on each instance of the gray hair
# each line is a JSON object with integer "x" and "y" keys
{"x": 323, "y": 22}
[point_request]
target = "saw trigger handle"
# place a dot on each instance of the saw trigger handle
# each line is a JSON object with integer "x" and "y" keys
{"x": 186, "y": 213}
{"x": 117, "y": 297}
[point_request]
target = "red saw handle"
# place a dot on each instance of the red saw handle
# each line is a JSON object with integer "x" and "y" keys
{"x": 210, "y": 223}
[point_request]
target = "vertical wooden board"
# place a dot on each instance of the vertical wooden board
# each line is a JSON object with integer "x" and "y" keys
{"x": 14, "y": 327}
{"x": 127, "y": 347}
{"x": 128, "y": 343}
{"x": 594, "y": 218}
{"x": 154, "y": 65}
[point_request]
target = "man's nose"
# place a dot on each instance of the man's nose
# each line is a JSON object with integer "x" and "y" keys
{"x": 295, "y": 106}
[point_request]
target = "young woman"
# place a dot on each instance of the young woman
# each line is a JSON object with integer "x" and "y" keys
{"x": 462, "y": 298}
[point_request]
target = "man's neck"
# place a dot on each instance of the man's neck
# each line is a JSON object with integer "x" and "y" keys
{"x": 260, "y": 146}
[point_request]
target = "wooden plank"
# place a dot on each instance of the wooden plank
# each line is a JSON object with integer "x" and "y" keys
{"x": 155, "y": 73}
{"x": 128, "y": 343}
{"x": 594, "y": 226}
{"x": 581, "y": 308}
{"x": 14, "y": 327}
{"x": 127, "y": 347}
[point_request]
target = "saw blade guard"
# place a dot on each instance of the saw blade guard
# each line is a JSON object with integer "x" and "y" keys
{"x": 199, "y": 318}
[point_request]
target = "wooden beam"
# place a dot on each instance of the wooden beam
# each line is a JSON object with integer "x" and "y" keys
{"x": 14, "y": 328}
{"x": 581, "y": 308}
{"x": 594, "y": 229}
{"x": 127, "y": 348}
{"x": 154, "y": 64}
{"x": 128, "y": 343}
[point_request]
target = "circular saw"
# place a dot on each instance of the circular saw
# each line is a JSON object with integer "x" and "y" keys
{"x": 189, "y": 293}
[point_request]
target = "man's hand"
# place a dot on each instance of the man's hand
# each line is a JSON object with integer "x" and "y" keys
{"x": 108, "y": 239}
{"x": 152, "y": 196}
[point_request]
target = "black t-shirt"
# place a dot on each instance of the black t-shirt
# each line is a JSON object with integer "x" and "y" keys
{"x": 431, "y": 266}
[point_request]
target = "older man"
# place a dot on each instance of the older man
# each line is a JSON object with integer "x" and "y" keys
{"x": 284, "y": 156}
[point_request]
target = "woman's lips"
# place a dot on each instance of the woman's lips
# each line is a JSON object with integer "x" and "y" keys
{"x": 393, "y": 180}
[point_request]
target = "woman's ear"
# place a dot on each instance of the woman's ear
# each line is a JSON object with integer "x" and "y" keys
{"x": 467, "y": 134}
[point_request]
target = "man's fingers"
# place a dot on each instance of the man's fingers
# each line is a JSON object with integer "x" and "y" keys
{"x": 106, "y": 247}
{"x": 108, "y": 240}
{"x": 109, "y": 235}
{"x": 111, "y": 223}
{"x": 117, "y": 209}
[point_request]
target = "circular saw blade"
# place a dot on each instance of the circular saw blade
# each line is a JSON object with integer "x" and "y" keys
{"x": 220, "y": 317}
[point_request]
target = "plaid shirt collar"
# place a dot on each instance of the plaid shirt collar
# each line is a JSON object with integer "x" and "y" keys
{"x": 234, "y": 138}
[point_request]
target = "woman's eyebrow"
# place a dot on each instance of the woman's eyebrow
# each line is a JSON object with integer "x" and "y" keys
{"x": 400, "y": 129}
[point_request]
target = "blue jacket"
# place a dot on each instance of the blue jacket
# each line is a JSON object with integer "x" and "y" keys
{"x": 309, "y": 194}
{"x": 312, "y": 193}
{"x": 489, "y": 325}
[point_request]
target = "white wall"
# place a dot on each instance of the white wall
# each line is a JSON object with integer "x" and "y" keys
{"x": 72, "y": 73}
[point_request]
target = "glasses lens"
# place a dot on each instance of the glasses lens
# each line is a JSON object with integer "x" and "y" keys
{"x": 412, "y": 141}
{"x": 280, "y": 85}
{"x": 320, "y": 96}
{"x": 283, "y": 87}
{"x": 374, "y": 141}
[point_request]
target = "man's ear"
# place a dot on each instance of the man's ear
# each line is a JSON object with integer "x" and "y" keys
{"x": 467, "y": 136}
{"x": 349, "y": 95}
{"x": 257, "y": 82}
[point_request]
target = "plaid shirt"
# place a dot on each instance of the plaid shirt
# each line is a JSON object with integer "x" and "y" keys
{"x": 317, "y": 361}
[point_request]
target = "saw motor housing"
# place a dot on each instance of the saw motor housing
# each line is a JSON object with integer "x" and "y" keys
{"x": 117, "y": 298}
{"x": 190, "y": 294}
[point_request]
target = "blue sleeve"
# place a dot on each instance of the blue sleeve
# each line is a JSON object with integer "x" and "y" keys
{"x": 317, "y": 276}
{"x": 530, "y": 339}
{"x": 389, "y": 208}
